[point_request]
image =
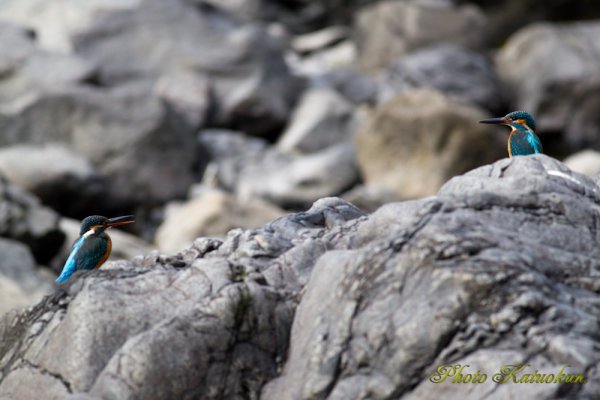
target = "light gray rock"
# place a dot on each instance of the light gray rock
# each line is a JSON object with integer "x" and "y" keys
{"x": 420, "y": 139}
{"x": 331, "y": 303}
{"x": 322, "y": 118}
{"x": 562, "y": 93}
{"x": 60, "y": 177}
{"x": 369, "y": 197}
{"x": 585, "y": 162}
{"x": 389, "y": 29}
{"x": 315, "y": 41}
{"x": 295, "y": 180}
{"x": 24, "y": 219}
{"x": 451, "y": 69}
{"x": 212, "y": 213}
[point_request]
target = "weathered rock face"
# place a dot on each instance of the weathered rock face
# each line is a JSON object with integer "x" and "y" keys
{"x": 497, "y": 269}
{"x": 390, "y": 29}
{"x": 562, "y": 92}
{"x": 418, "y": 140}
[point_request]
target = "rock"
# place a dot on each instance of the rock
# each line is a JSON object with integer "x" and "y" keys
{"x": 417, "y": 141}
{"x": 221, "y": 144}
{"x": 585, "y": 162}
{"x": 390, "y": 29}
{"x": 21, "y": 284}
{"x": 24, "y": 219}
{"x": 230, "y": 326}
{"x": 561, "y": 93}
{"x": 369, "y": 198}
{"x": 253, "y": 88}
{"x": 318, "y": 40}
{"x": 291, "y": 180}
{"x": 321, "y": 119}
{"x": 332, "y": 303}
{"x": 451, "y": 69}
{"x": 213, "y": 213}
{"x": 61, "y": 178}
{"x": 122, "y": 131}
{"x": 339, "y": 56}
{"x": 355, "y": 86}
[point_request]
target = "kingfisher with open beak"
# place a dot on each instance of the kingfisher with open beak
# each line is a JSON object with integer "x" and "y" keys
{"x": 93, "y": 247}
{"x": 522, "y": 140}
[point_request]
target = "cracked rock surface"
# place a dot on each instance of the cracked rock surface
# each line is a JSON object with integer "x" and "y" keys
{"x": 500, "y": 267}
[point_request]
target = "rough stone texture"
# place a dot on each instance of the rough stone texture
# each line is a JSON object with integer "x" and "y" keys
{"x": 61, "y": 178}
{"x": 212, "y": 213}
{"x": 417, "y": 141}
{"x": 585, "y": 162}
{"x": 449, "y": 68}
{"x": 498, "y": 268}
{"x": 390, "y": 29}
{"x": 369, "y": 197}
{"x": 562, "y": 92}
{"x": 24, "y": 219}
{"x": 321, "y": 119}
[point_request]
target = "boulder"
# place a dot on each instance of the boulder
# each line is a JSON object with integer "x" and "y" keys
{"x": 212, "y": 213}
{"x": 585, "y": 162}
{"x": 21, "y": 283}
{"x": 332, "y": 303}
{"x": 418, "y": 140}
{"x": 291, "y": 180}
{"x": 369, "y": 197}
{"x": 451, "y": 69}
{"x": 389, "y": 29}
{"x": 321, "y": 119}
{"x": 24, "y": 219}
{"x": 61, "y": 178}
{"x": 561, "y": 92}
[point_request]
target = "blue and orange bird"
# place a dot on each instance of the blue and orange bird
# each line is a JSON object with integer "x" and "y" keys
{"x": 522, "y": 140}
{"x": 93, "y": 247}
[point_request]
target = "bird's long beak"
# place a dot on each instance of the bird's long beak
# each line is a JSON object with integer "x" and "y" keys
{"x": 495, "y": 121}
{"x": 118, "y": 221}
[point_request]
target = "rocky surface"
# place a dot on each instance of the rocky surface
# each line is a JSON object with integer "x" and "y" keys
{"x": 500, "y": 265}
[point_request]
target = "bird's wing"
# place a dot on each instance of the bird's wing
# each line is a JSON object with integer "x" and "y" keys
{"x": 86, "y": 254}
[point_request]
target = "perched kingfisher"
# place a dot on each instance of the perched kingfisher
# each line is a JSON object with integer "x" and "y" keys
{"x": 93, "y": 247}
{"x": 522, "y": 140}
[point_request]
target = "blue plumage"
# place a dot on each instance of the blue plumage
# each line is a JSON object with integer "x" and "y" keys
{"x": 93, "y": 247}
{"x": 522, "y": 140}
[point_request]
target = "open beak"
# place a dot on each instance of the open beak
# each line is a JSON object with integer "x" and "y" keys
{"x": 495, "y": 121}
{"x": 118, "y": 221}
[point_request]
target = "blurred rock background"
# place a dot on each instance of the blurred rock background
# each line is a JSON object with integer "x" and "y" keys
{"x": 200, "y": 116}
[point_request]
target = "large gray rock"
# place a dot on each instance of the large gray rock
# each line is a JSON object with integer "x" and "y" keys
{"x": 322, "y": 118}
{"x": 24, "y": 219}
{"x": 475, "y": 275}
{"x": 390, "y": 29}
{"x": 451, "y": 69}
{"x": 585, "y": 162}
{"x": 420, "y": 139}
{"x": 561, "y": 92}
{"x": 61, "y": 178}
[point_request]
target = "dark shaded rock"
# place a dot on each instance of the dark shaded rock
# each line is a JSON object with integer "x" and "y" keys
{"x": 24, "y": 219}
{"x": 561, "y": 92}
{"x": 418, "y": 140}
{"x": 451, "y": 69}
{"x": 355, "y": 86}
{"x": 61, "y": 178}
{"x": 390, "y": 29}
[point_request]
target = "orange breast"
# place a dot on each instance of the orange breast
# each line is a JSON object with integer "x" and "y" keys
{"x": 106, "y": 255}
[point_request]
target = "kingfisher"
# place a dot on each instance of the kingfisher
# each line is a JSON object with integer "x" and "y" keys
{"x": 522, "y": 140}
{"x": 93, "y": 247}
